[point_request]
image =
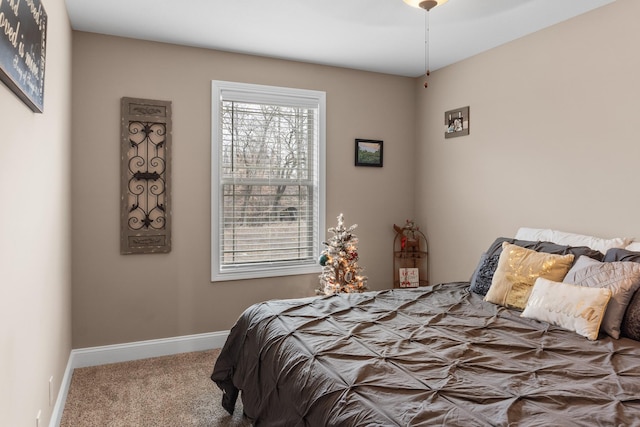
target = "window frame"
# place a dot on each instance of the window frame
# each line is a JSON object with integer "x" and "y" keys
{"x": 247, "y": 92}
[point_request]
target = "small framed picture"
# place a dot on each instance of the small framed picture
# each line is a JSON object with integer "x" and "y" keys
{"x": 368, "y": 152}
{"x": 456, "y": 122}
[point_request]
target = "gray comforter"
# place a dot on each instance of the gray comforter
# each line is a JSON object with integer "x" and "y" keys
{"x": 429, "y": 356}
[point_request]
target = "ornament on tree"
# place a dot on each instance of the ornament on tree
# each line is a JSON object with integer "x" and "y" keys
{"x": 339, "y": 261}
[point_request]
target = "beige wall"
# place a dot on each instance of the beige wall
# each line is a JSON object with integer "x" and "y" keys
{"x": 553, "y": 143}
{"x": 35, "y": 254}
{"x": 118, "y": 298}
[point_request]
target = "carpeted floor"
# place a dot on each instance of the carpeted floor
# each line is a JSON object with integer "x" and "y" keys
{"x": 162, "y": 391}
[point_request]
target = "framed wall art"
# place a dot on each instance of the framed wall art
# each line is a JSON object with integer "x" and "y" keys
{"x": 145, "y": 156}
{"x": 368, "y": 152}
{"x": 456, "y": 122}
{"x": 23, "y": 40}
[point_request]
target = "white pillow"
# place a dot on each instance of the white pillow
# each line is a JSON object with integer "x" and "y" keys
{"x": 534, "y": 234}
{"x": 576, "y": 308}
{"x": 571, "y": 239}
{"x": 633, "y": 246}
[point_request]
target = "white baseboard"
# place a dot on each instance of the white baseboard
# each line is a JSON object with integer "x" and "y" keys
{"x": 94, "y": 356}
{"x": 58, "y": 408}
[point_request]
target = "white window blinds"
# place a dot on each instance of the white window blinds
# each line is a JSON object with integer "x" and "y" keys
{"x": 268, "y": 183}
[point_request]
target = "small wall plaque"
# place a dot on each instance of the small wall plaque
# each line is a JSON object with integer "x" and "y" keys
{"x": 23, "y": 42}
{"x": 456, "y": 122}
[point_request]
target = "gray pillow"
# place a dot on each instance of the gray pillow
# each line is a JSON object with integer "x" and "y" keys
{"x": 483, "y": 275}
{"x": 618, "y": 254}
{"x": 622, "y": 278}
{"x": 630, "y": 326}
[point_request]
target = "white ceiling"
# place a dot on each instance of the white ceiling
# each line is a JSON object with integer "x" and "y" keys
{"x": 384, "y": 36}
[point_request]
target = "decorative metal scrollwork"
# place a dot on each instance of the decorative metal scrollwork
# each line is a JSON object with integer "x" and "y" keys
{"x": 146, "y": 170}
{"x": 146, "y": 213}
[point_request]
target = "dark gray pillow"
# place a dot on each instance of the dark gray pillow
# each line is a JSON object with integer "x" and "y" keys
{"x": 630, "y": 326}
{"x": 618, "y": 254}
{"x": 483, "y": 274}
{"x": 577, "y": 251}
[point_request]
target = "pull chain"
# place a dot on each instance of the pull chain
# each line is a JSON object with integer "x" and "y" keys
{"x": 426, "y": 47}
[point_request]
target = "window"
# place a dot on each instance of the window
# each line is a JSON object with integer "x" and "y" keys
{"x": 267, "y": 187}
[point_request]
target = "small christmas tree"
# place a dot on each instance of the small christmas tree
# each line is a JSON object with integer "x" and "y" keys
{"x": 339, "y": 261}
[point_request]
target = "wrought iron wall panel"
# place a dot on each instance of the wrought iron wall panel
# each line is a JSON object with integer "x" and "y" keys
{"x": 145, "y": 221}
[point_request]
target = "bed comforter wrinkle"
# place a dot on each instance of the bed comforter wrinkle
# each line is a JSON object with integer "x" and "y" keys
{"x": 430, "y": 356}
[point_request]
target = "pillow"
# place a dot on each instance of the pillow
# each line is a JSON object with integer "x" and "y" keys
{"x": 617, "y": 254}
{"x": 576, "y": 308}
{"x": 481, "y": 279}
{"x": 483, "y": 274}
{"x": 571, "y": 239}
{"x": 577, "y": 251}
{"x": 518, "y": 269}
{"x": 630, "y": 326}
{"x": 526, "y": 233}
{"x": 622, "y": 278}
{"x": 633, "y": 246}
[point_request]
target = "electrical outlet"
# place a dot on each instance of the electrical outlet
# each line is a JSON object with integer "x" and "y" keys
{"x": 51, "y": 391}
{"x": 38, "y": 418}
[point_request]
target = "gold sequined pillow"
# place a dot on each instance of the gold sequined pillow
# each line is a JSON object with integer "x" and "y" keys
{"x": 572, "y": 307}
{"x": 518, "y": 269}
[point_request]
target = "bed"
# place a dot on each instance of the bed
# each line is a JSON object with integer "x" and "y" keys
{"x": 435, "y": 355}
